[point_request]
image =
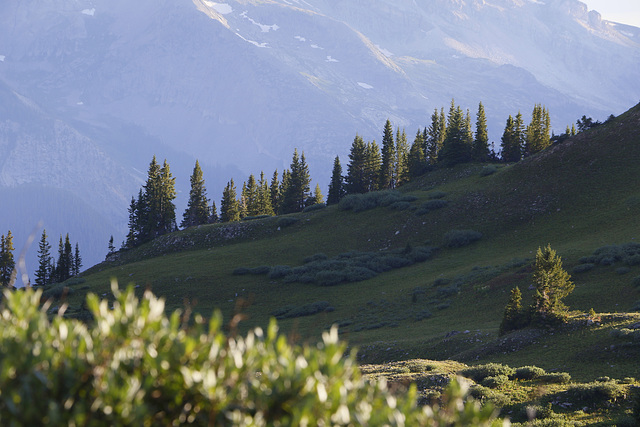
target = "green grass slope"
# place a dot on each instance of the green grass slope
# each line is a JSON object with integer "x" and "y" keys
{"x": 577, "y": 196}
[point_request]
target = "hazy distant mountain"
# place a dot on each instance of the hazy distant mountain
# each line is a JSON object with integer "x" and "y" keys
{"x": 91, "y": 89}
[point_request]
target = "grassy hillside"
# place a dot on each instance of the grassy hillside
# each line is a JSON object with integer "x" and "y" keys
{"x": 578, "y": 196}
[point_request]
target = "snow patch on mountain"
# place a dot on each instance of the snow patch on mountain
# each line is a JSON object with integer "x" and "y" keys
{"x": 264, "y": 28}
{"x": 221, "y": 8}
{"x": 89, "y": 12}
{"x": 300, "y": 38}
{"x": 253, "y": 42}
{"x": 385, "y": 52}
{"x": 330, "y": 59}
{"x": 365, "y": 85}
{"x": 2, "y": 57}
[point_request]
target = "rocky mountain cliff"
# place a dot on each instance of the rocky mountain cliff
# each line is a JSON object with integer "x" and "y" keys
{"x": 91, "y": 89}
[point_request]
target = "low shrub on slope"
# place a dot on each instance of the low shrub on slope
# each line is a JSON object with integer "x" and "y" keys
{"x": 136, "y": 366}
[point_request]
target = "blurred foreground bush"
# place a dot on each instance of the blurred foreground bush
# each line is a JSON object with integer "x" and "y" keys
{"x": 135, "y": 366}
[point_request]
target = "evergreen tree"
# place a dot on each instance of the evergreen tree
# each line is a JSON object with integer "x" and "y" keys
{"x": 64, "y": 266}
{"x": 416, "y": 161}
{"x": 372, "y": 166}
{"x": 434, "y": 136}
{"x": 356, "y": 179}
{"x": 538, "y": 133}
{"x": 112, "y": 248}
{"x": 274, "y": 190}
{"x": 43, "y": 272}
{"x": 197, "y": 211}
{"x": 229, "y": 206}
{"x": 148, "y": 204}
{"x": 167, "y": 195}
{"x": 318, "y": 198}
{"x": 402, "y": 158}
{"x": 481, "y": 141}
{"x": 263, "y": 201}
{"x": 514, "y": 315}
{"x": 134, "y": 226}
{"x": 77, "y": 261}
{"x": 251, "y": 196}
{"x": 295, "y": 196}
{"x": 213, "y": 218}
{"x": 457, "y": 145}
{"x": 7, "y": 262}
{"x": 284, "y": 185}
{"x": 243, "y": 201}
{"x": 336, "y": 186}
{"x": 511, "y": 149}
{"x": 552, "y": 284}
{"x": 156, "y": 211}
{"x": 387, "y": 171}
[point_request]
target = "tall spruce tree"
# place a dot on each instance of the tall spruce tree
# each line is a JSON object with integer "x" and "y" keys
{"x": 372, "y": 166}
{"x": 64, "y": 266}
{"x": 387, "y": 171}
{"x": 250, "y": 195}
{"x": 538, "y": 133}
{"x": 284, "y": 185}
{"x": 7, "y": 262}
{"x": 213, "y": 217}
{"x": 552, "y": 284}
{"x": 132, "y": 235}
{"x": 243, "y": 201}
{"x": 274, "y": 191}
{"x": 402, "y": 158}
{"x": 294, "y": 198}
{"x": 229, "y": 206}
{"x": 318, "y": 198}
{"x": 167, "y": 196}
{"x": 510, "y": 145}
{"x": 481, "y": 141}
{"x": 336, "y": 186}
{"x": 457, "y": 145}
{"x": 416, "y": 161}
{"x": 356, "y": 180}
{"x": 43, "y": 272}
{"x": 514, "y": 315}
{"x": 197, "y": 211}
{"x": 263, "y": 200}
{"x": 111, "y": 246}
{"x": 435, "y": 135}
{"x": 77, "y": 261}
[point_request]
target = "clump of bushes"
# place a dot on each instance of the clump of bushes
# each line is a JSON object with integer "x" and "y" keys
{"x": 351, "y": 266}
{"x": 528, "y": 373}
{"x": 436, "y": 194}
{"x": 58, "y": 291}
{"x": 595, "y": 394}
{"x": 313, "y": 208}
{"x": 460, "y": 238}
{"x": 431, "y": 205}
{"x": 582, "y": 268}
{"x": 495, "y": 381}
{"x": 133, "y": 365}
{"x": 625, "y": 333}
{"x": 290, "y": 312}
{"x": 556, "y": 378}
{"x": 628, "y": 253}
{"x": 636, "y": 281}
{"x": 242, "y": 271}
{"x": 372, "y": 200}
{"x": 480, "y": 372}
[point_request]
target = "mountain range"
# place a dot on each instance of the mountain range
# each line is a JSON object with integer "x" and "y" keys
{"x": 91, "y": 89}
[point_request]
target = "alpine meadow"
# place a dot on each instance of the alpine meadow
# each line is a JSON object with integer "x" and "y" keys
{"x": 315, "y": 219}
